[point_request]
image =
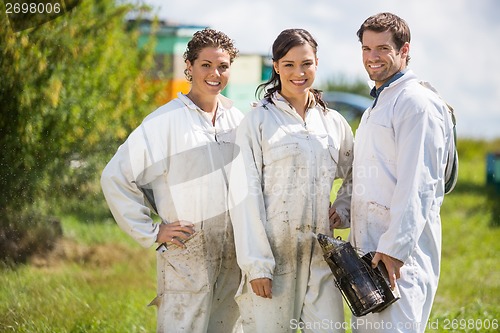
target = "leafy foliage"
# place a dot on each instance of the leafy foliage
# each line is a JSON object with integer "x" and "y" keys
{"x": 71, "y": 91}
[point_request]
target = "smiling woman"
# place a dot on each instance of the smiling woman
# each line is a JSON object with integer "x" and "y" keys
{"x": 209, "y": 76}
{"x": 164, "y": 166}
{"x": 292, "y": 148}
{"x": 297, "y": 70}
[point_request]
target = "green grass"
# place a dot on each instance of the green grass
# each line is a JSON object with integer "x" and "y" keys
{"x": 98, "y": 280}
{"x": 469, "y": 286}
{"x": 72, "y": 299}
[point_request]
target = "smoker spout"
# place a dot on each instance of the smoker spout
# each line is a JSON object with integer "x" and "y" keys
{"x": 328, "y": 243}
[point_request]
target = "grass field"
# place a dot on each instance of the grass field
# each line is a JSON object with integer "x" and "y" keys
{"x": 98, "y": 280}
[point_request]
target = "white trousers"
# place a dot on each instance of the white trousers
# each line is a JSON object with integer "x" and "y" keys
{"x": 196, "y": 285}
{"x": 320, "y": 310}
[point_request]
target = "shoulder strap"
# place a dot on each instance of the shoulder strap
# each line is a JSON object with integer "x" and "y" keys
{"x": 451, "y": 171}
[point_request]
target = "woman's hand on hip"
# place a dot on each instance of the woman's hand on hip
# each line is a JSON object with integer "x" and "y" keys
{"x": 175, "y": 233}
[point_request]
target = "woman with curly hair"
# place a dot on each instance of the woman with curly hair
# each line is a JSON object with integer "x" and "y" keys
{"x": 174, "y": 163}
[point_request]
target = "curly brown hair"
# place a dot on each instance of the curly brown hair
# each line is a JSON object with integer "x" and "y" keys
{"x": 208, "y": 38}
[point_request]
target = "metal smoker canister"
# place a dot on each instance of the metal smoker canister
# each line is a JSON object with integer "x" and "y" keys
{"x": 352, "y": 276}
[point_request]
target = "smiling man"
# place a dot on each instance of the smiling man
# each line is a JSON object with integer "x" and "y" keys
{"x": 403, "y": 140}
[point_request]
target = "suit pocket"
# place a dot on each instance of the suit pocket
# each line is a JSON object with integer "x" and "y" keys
{"x": 280, "y": 152}
{"x": 385, "y": 147}
{"x": 185, "y": 270}
{"x": 379, "y": 219}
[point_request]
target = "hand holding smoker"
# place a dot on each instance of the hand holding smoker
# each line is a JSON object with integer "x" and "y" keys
{"x": 364, "y": 288}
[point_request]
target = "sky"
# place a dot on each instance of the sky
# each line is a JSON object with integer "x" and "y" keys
{"x": 455, "y": 43}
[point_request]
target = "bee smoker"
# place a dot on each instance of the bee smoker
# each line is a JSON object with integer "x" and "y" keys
{"x": 365, "y": 289}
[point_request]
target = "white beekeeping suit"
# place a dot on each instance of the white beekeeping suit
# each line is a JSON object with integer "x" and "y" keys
{"x": 179, "y": 161}
{"x": 281, "y": 192}
{"x": 398, "y": 187}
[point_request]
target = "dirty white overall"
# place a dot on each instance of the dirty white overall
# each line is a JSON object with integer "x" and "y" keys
{"x": 288, "y": 171}
{"x": 398, "y": 189}
{"x": 180, "y": 162}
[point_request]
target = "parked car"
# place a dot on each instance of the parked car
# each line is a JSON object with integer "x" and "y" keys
{"x": 351, "y": 106}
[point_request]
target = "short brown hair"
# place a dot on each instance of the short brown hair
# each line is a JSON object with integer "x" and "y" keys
{"x": 388, "y": 22}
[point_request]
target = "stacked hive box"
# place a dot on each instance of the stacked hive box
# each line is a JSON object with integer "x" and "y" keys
{"x": 170, "y": 44}
{"x": 245, "y": 77}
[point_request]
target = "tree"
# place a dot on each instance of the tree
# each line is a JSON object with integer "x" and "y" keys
{"x": 342, "y": 84}
{"x": 70, "y": 91}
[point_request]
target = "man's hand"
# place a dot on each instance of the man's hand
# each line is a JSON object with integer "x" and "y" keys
{"x": 262, "y": 287}
{"x": 335, "y": 220}
{"x": 392, "y": 265}
{"x": 175, "y": 233}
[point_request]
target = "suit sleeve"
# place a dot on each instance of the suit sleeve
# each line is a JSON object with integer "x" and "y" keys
{"x": 247, "y": 208}
{"x": 420, "y": 143}
{"x": 124, "y": 198}
{"x": 342, "y": 202}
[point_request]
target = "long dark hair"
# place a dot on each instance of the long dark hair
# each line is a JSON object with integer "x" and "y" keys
{"x": 286, "y": 40}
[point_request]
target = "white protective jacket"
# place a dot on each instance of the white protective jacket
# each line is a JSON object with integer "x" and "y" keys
{"x": 281, "y": 197}
{"x": 176, "y": 162}
{"x": 398, "y": 189}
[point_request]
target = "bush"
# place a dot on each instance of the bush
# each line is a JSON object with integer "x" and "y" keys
{"x": 71, "y": 90}
{"x": 23, "y": 234}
